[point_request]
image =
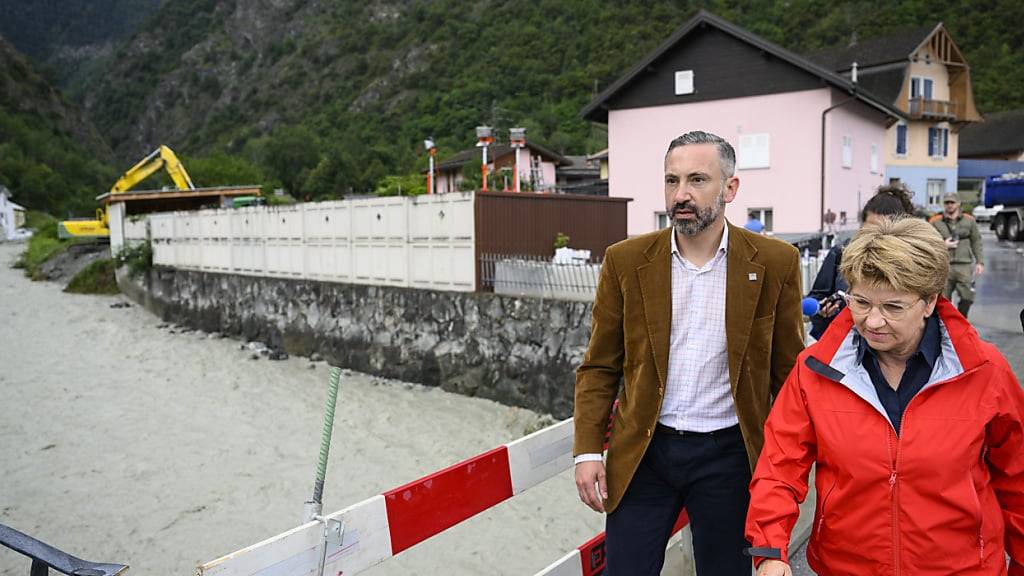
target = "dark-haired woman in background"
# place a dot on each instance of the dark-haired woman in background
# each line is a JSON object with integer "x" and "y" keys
{"x": 890, "y": 201}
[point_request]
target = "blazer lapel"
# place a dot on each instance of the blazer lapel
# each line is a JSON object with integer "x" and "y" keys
{"x": 656, "y": 289}
{"x": 743, "y": 289}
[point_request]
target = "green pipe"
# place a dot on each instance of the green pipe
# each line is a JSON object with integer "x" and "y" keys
{"x": 325, "y": 437}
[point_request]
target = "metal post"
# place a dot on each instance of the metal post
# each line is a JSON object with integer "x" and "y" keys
{"x": 517, "y": 138}
{"x": 484, "y": 136}
{"x": 432, "y": 151}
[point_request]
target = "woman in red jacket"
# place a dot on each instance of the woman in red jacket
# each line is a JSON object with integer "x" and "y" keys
{"x": 914, "y": 425}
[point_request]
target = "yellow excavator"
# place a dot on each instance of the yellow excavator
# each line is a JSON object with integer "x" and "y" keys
{"x": 162, "y": 157}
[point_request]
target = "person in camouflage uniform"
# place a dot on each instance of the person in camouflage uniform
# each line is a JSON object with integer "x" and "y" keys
{"x": 963, "y": 238}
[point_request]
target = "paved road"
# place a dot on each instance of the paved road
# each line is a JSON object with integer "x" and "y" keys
{"x": 995, "y": 314}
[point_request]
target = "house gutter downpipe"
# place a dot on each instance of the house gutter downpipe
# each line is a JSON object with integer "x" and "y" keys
{"x": 824, "y": 113}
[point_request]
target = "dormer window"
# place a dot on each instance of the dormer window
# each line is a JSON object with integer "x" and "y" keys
{"x": 921, "y": 87}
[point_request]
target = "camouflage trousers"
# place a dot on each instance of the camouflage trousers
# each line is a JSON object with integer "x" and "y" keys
{"x": 960, "y": 279}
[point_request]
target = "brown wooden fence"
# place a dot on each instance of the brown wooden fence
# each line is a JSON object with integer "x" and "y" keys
{"x": 527, "y": 223}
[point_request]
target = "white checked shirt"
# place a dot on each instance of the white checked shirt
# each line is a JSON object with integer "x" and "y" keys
{"x": 698, "y": 396}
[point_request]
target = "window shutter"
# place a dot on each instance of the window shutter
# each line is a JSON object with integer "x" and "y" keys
{"x": 684, "y": 82}
{"x": 931, "y": 141}
{"x": 945, "y": 142}
{"x": 928, "y": 88}
{"x": 901, "y": 139}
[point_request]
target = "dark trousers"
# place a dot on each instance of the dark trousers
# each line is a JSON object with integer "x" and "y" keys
{"x": 709, "y": 475}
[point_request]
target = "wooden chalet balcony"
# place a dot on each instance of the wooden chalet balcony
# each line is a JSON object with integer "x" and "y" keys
{"x": 933, "y": 109}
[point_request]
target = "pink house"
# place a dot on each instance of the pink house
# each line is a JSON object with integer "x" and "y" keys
{"x": 807, "y": 140}
{"x": 537, "y": 167}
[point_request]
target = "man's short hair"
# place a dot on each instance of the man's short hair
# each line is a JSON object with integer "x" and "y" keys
{"x": 905, "y": 254}
{"x": 726, "y": 154}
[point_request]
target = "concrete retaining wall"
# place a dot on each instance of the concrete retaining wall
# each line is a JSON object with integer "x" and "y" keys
{"x": 518, "y": 351}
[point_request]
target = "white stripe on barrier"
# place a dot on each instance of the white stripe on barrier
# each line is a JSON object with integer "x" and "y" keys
{"x": 366, "y": 542}
{"x": 568, "y": 565}
{"x": 539, "y": 456}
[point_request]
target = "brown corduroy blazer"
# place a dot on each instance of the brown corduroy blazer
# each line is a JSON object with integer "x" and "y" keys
{"x": 629, "y": 343}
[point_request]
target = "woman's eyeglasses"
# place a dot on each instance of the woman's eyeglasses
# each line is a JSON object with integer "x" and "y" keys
{"x": 889, "y": 310}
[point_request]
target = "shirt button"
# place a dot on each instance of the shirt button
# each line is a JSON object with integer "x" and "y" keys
{"x": 648, "y": 432}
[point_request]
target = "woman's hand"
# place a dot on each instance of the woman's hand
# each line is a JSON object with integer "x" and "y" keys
{"x": 774, "y": 568}
{"x": 828, "y": 310}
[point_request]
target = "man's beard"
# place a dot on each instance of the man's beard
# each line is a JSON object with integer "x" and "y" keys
{"x": 703, "y": 218}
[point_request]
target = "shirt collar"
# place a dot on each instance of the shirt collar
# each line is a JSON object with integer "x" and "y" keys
{"x": 929, "y": 348}
{"x": 723, "y": 246}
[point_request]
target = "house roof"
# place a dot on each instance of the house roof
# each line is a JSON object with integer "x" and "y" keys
{"x": 596, "y": 110}
{"x": 602, "y": 155}
{"x": 886, "y": 83}
{"x": 1000, "y": 132}
{"x": 497, "y": 151}
{"x": 877, "y": 51}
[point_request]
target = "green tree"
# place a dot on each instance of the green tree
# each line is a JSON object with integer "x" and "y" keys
{"x": 287, "y": 153}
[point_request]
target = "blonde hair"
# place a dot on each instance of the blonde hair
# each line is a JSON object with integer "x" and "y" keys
{"x": 905, "y": 254}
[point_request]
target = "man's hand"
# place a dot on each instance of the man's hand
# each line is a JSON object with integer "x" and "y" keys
{"x": 978, "y": 269}
{"x": 590, "y": 483}
{"x": 774, "y": 568}
{"x": 952, "y": 243}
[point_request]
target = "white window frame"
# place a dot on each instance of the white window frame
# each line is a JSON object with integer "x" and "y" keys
{"x": 939, "y": 151}
{"x": 659, "y": 218}
{"x": 754, "y": 151}
{"x": 847, "y": 155}
{"x": 765, "y": 215}
{"x": 684, "y": 82}
{"x": 935, "y": 199}
{"x": 919, "y": 82}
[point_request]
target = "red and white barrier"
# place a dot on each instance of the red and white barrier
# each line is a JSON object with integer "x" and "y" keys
{"x": 385, "y": 525}
{"x": 589, "y": 559}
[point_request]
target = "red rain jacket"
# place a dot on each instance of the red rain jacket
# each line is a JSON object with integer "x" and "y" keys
{"x": 945, "y": 497}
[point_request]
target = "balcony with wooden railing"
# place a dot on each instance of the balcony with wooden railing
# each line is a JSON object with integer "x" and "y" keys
{"x": 922, "y": 108}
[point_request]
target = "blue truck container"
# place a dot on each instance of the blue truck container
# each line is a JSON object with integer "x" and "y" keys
{"x": 1006, "y": 190}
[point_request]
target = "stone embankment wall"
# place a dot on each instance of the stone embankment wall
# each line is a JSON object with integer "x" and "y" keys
{"x": 518, "y": 351}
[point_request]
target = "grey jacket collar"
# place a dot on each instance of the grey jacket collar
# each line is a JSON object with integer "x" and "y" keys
{"x": 846, "y": 370}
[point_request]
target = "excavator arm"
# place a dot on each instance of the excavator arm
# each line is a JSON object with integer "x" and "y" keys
{"x": 162, "y": 157}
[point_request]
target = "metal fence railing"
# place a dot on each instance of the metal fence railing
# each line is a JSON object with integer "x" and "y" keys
{"x": 532, "y": 275}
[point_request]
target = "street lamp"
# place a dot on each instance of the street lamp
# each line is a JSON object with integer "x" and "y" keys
{"x": 483, "y": 140}
{"x": 432, "y": 151}
{"x": 517, "y": 138}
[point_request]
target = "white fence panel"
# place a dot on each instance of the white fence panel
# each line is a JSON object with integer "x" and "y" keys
{"x": 134, "y": 228}
{"x": 216, "y": 255}
{"x": 163, "y": 254}
{"x": 328, "y": 261}
{"x": 284, "y": 258}
{"x": 161, "y": 226}
{"x": 425, "y": 242}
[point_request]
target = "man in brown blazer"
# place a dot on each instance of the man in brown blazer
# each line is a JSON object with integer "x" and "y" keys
{"x": 694, "y": 330}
